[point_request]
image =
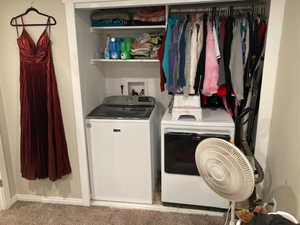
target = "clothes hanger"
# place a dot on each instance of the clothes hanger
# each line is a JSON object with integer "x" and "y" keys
{"x": 213, "y": 15}
{"x": 13, "y": 21}
{"x": 253, "y": 9}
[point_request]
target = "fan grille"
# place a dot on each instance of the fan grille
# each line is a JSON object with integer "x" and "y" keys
{"x": 225, "y": 169}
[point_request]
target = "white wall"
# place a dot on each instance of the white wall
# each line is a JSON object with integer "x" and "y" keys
{"x": 91, "y": 77}
{"x": 269, "y": 79}
{"x": 9, "y": 101}
{"x": 1, "y": 196}
{"x": 122, "y": 73}
{"x": 5, "y": 194}
{"x": 283, "y": 167}
{"x": 7, "y": 157}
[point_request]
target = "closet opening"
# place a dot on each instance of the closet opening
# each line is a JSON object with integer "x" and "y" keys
{"x": 136, "y": 70}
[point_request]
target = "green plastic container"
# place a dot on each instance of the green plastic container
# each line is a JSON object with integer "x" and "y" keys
{"x": 126, "y": 47}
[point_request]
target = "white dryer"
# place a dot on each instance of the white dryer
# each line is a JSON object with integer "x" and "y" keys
{"x": 181, "y": 182}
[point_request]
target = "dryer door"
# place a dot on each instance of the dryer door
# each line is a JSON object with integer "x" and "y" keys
{"x": 180, "y": 151}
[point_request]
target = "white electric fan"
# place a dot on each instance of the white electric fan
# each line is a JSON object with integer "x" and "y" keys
{"x": 226, "y": 170}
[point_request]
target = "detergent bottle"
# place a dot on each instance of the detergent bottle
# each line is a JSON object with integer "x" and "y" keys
{"x": 125, "y": 48}
{"x": 106, "y": 50}
{"x": 114, "y": 48}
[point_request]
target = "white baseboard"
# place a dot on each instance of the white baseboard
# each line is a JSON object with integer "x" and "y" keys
{"x": 49, "y": 199}
{"x": 11, "y": 201}
{"x": 78, "y": 201}
{"x": 155, "y": 207}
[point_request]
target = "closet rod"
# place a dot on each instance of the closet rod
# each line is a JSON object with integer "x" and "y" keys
{"x": 193, "y": 10}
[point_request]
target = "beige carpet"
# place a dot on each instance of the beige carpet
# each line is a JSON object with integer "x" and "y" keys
{"x": 25, "y": 213}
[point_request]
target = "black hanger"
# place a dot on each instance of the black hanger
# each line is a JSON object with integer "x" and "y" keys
{"x": 213, "y": 14}
{"x": 13, "y": 21}
{"x": 231, "y": 11}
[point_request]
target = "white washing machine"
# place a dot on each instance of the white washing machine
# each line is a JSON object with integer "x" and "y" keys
{"x": 181, "y": 182}
{"x": 123, "y": 148}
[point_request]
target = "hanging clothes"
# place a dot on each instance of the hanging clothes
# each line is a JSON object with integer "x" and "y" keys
{"x": 245, "y": 39}
{"x": 262, "y": 29}
{"x": 254, "y": 45}
{"x": 182, "y": 54}
{"x": 227, "y": 55}
{"x": 249, "y": 55}
{"x": 222, "y": 91}
{"x": 214, "y": 57}
{"x": 236, "y": 62}
{"x": 217, "y": 48}
{"x": 44, "y": 150}
{"x": 195, "y": 50}
{"x": 201, "y": 62}
{"x": 160, "y": 57}
{"x": 171, "y": 23}
{"x": 174, "y": 57}
{"x": 221, "y": 34}
{"x": 210, "y": 84}
{"x": 187, "y": 65}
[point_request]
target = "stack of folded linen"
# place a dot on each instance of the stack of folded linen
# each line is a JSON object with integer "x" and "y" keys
{"x": 149, "y": 16}
{"x": 104, "y": 18}
{"x": 146, "y": 46}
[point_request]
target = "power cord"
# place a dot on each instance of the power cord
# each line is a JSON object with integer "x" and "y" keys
{"x": 227, "y": 214}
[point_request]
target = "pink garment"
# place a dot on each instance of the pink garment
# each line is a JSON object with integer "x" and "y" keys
{"x": 211, "y": 77}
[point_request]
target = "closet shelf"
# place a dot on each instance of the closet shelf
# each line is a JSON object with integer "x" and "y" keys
{"x": 93, "y": 61}
{"x": 162, "y": 27}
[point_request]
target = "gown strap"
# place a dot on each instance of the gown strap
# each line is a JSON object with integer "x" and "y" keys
{"x": 48, "y": 26}
{"x": 17, "y": 28}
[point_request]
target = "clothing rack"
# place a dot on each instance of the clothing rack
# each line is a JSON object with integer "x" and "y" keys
{"x": 217, "y": 53}
{"x": 222, "y": 11}
{"x": 256, "y": 6}
{"x": 199, "y": 10}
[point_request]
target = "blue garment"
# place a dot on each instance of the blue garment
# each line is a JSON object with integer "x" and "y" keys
{"x": 173, "y": 58}
{"x": 244, "y": 37}
{"x": 171, "y": 23}
{"x": 181, "y": 82}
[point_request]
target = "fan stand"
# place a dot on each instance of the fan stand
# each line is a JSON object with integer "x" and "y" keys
{"x": 214, "y": 174}
{"x": 232, "y": 214}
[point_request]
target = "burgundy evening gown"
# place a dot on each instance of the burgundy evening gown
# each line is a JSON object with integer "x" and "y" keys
{"x": 44, "y": 150}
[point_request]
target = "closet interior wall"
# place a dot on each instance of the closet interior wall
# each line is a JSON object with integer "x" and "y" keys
{"x": 92, "y": 77}
{"x": 103, "y": 79}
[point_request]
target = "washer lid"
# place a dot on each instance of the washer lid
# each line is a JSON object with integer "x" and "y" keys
{"x": 106, "y": 111}
{"x": 130, "y": 100}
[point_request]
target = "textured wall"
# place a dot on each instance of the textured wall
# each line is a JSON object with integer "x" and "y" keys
{"x": 284, "y": 149}
{"x": 9, "y": 101}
